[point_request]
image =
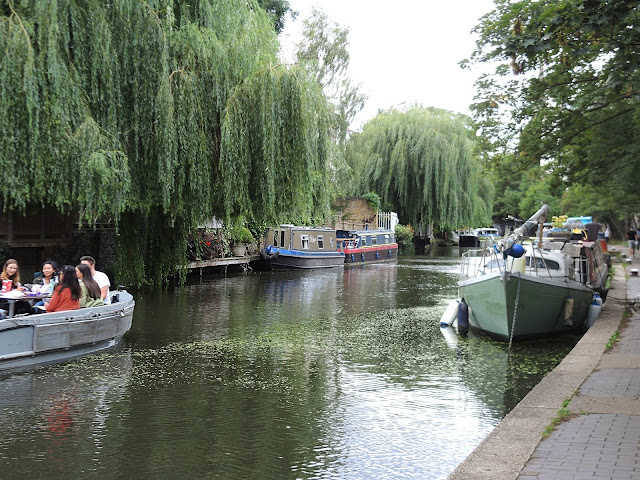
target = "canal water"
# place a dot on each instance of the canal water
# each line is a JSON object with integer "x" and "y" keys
{"x": 342, "y": 373}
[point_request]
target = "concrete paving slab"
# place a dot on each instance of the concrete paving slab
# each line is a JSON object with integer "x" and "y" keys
{"x": 584, "y": 403}
{"x": 619, "y": 360}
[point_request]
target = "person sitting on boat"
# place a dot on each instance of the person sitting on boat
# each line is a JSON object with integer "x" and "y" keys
{"x": 66, "y": 296}
{"x": 101, "y": 278}
{"x": 91, "y": 295}
{"x": 47, "y": 279}
{"x": 45, "y": 282}
{"x": 11, "y": 273}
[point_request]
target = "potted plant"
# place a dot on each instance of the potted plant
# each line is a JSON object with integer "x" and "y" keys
{"x": 239, "y": 236}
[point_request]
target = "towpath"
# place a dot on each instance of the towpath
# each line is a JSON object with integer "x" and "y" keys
{"x": 601, "y": 437}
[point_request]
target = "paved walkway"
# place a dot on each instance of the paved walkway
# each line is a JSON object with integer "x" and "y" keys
{"x": 601, "y": 439}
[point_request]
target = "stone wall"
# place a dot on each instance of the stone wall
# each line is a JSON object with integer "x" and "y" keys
{"x": 354, "y": 214}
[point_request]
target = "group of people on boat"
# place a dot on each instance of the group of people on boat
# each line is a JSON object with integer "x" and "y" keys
{"x": 66, "y": 288}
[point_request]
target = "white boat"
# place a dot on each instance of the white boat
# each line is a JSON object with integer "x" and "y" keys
{"x": 490, "y": 235}
{"x": 27, "y": 341}
{"x": 545, "y": 290}
{"x": 468, "y": 238}
{"x": 477, "y": 236}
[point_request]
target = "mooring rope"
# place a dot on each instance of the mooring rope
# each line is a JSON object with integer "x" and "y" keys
{"x": 515, "y": 311}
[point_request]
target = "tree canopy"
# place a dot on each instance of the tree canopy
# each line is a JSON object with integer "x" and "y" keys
{"x": 564, "y": 94}
{"x": 323, "y": 51}
{"x": 421, "y": 161}
{"x": 150, "y": 112}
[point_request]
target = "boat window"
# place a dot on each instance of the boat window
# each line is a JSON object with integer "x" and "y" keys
{"x": 320, "y": 241}
{"x": 282, "y": 238}
{"x": 331, "y": 242}
{"x": 275, "y": 238}
{"x": 539, "y": 263}
{"x": 374, "y": 239}
{"x": 305, "y": 241}
{"x": 386, "y": 239}
{"x": 364, "y": 241}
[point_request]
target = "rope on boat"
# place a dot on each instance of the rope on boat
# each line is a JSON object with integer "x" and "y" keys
{"x": 515, "y": 311}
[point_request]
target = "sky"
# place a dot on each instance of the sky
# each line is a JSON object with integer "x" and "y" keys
{"x": 402, "y": 52}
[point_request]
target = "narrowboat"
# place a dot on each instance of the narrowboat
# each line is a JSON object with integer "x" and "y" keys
{"x": 368, "y": 245}
{"x": 290, "y": 246}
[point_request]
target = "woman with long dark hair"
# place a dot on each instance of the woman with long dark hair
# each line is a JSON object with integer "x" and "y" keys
{"x": 66, "y": 295}
{"x": 91, "y": 295}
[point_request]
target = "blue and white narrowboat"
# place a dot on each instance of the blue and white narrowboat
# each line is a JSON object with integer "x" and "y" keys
{"x": 290, "y": 246}
{"x": 368, "y": 245}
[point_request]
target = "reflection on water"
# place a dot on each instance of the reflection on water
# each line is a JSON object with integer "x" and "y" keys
{"x": 340, "y": 373}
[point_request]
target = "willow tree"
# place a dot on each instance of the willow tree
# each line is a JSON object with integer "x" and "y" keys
{"x": 421, "y": 161}
{"x": 132, "y": 110}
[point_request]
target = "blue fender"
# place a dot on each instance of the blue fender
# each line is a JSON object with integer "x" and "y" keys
{"x": 463, "y": 317}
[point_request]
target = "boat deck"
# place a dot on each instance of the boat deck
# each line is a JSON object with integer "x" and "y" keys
{"x": 223, "y": 263}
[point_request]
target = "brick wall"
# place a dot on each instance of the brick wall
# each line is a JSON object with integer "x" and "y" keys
{"x": 354, "y": 214}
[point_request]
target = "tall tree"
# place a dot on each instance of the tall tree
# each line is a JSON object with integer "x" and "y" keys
{"x": 146, "y": 111}
{"x": 422, "y": 162}
{"x": 565, "y": 89}
{"x": 323, "y": 51}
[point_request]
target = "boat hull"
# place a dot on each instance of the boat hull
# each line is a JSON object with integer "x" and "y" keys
{"x": 468, "y": 241}
{"x": 541, "y": 305}
{"x": 297, "y": 259}
{"x": 371, "y": 254}
{"x": 60, "y": 336}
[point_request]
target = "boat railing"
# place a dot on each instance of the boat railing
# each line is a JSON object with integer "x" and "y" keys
{"x": 533, "y": 261}
{"x": 480, "y": 261}
{"x": 489, "y": 260}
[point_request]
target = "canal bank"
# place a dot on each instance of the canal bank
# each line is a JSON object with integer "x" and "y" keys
{"x": 600, "y": 439}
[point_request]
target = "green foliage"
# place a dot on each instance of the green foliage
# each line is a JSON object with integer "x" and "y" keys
{"x": 323, "y": 53}
{"x": 564, "y": 93}
{"x": 373, "y": 199}
{"x": 421, "y": 161}
{"x": 612, "y": 340}
{"x": 273, "y": 120}
{"x": 239, "y": 234}
{"x": 562, "y": 415}
{"x": 277, "y": 10}
{"x": 536, "y": 191}
{"x": 153, "y": 113}
{"x": 404, "y": 237}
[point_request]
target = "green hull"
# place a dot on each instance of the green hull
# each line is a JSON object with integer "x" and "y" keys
{"x": 541, "y": 305}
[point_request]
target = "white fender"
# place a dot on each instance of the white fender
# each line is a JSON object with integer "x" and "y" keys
{"x": 450, "y": 314}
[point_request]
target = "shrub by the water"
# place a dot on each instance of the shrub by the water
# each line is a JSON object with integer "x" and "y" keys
{"x": 404, "y": 236}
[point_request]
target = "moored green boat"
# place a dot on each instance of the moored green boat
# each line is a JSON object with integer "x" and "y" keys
{"x": 516, "y": 292}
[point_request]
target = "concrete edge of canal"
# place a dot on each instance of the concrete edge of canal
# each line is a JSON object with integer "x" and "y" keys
{"x": 506, "y": 450}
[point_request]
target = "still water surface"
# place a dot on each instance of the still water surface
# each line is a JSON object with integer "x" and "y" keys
{"x": 335, "y": 374}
